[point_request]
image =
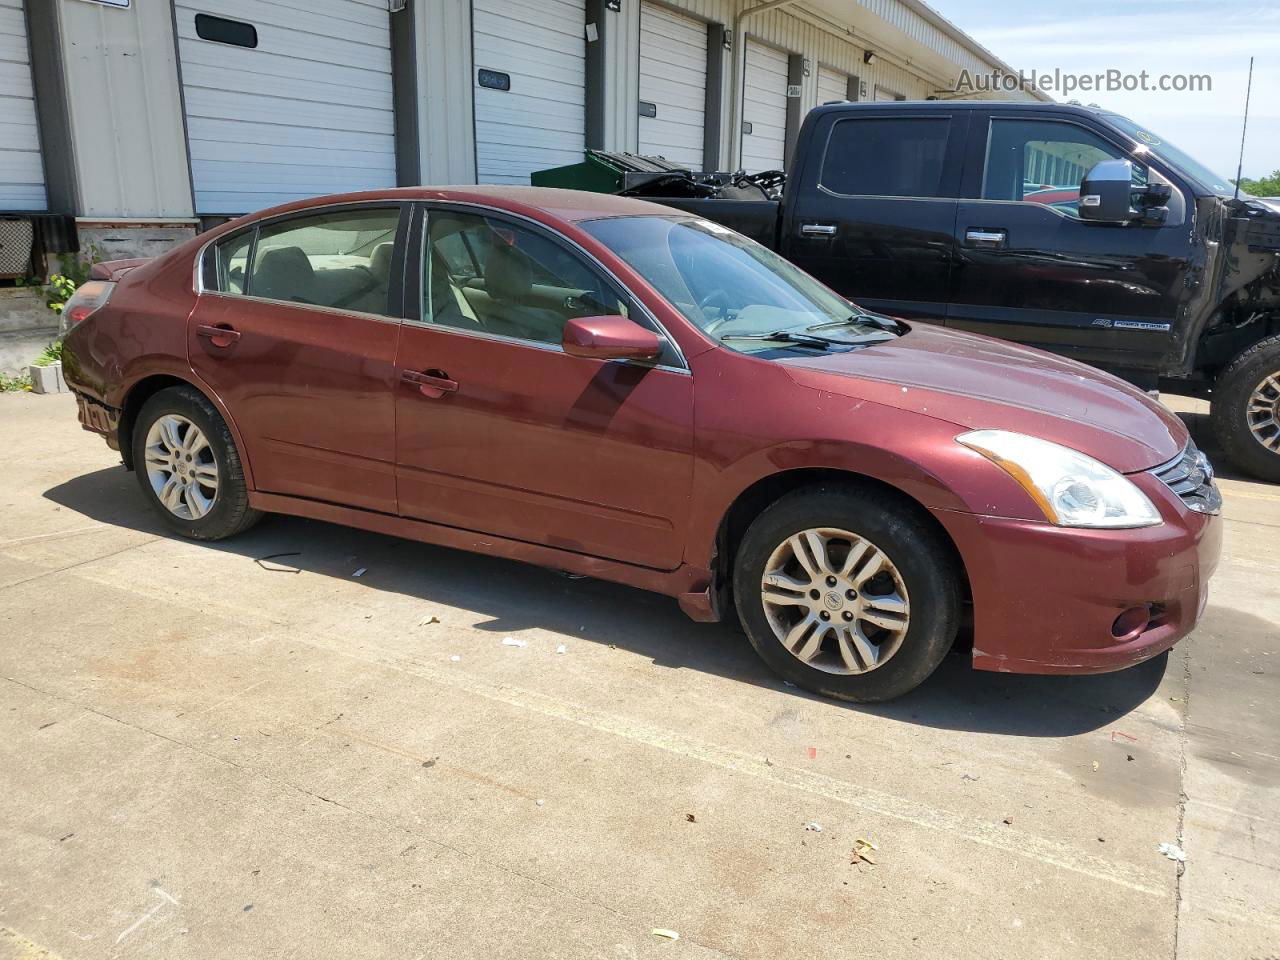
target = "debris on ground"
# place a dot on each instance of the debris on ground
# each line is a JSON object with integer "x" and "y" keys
{"x": 1173, "y": 852}
{"x": 562, "y": 649}
{"x": 813, "y": 753}
{"x": 1008, "y": 821}
{"x": 1128, "y": 756}
{"x": 665, "y": 934}
{"x": 427, "y": 621}
{"x": 278, "y": 567}
{"x": 813, "y": 827}
{"x": 970, "y": 777}
{"x": 539, "y": 802}
{"x": 1095, "y": 766}
{"x": 1121, "y": 733}
{"x": 360, "y": 572}
{"x": 862, "y": 850}
{"x": 690, "y": 818}
{"x": 455, "y": 659}
{"x": 514, "y": 642}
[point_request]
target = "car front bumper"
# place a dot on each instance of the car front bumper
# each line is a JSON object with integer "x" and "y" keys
{"x": 1046, "y": 598}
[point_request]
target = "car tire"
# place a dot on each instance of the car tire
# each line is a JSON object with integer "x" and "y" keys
{"x": 193, "y": 479}
{"x": 915, "y": 593}
{"x": 1240, "y": 410}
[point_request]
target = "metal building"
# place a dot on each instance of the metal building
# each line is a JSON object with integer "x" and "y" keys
{"x": 127, "y": 125}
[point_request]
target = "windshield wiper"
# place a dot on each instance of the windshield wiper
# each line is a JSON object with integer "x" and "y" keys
{"x": 880, "y": 323}
{"x": 787, "y": 336}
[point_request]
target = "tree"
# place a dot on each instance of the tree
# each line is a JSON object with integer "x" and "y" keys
{"x": 1266, "y": 187}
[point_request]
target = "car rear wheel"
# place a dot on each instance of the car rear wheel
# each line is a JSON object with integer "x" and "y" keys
{"x": 847, "y": 593}
{"x": 188, "y": 466}
{"x": 1246, "y": 410}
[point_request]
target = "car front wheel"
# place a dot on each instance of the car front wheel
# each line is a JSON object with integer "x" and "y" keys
{"x": 846, "y": 592}
{"x": 1246, "y": 410}
{"x": 188, "y": 466}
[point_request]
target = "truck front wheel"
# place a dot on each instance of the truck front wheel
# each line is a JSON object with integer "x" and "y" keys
{"x": 1246, "y": 410}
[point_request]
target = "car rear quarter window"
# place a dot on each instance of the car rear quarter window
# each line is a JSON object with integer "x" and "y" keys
{"x": 886, "y": 156}
{"x": 227, "y": 267}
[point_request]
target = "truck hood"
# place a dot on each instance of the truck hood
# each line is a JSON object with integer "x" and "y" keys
{"x": 979, "y": 383}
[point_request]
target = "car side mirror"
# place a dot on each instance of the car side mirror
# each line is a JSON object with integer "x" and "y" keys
{"x": 610, "y": 338}
{"x": 1105, "y": 193}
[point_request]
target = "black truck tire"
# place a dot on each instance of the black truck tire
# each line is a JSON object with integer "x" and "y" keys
{"x": 1246, "y": 410}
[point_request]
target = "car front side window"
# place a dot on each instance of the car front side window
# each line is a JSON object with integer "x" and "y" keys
{"x": 1044, "y": 161}
{"x": 492, "y": 276}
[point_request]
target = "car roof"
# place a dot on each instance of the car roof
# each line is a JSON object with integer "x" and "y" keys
{"x": 555, "y": 202}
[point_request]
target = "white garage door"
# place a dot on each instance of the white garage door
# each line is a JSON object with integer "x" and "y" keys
{"x": 884, "y": 93}
{"x": 21, "y": 172}
{"x": 537, "y": 49}
{"x": 673, "y": 78}
{"x": 306, "y": 111}
{"x": 832, "y": 85}
{"x": 764, "y": 108}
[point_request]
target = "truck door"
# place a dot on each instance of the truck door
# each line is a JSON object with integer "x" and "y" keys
{"x": 872, "y": 213}
{"x": 1030, "y": 270}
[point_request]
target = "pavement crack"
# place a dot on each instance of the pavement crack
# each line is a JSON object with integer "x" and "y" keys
{"x": 1182, "y": 792}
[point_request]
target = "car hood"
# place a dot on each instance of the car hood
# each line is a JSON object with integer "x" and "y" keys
{"x": 979, "y": 383}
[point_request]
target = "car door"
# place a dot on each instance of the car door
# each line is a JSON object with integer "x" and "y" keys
{"x": 873, "y": 212}
{"x": 296, "y": 330}
{"x": 1031, "y": 270}
{"x": 498, "y": 430}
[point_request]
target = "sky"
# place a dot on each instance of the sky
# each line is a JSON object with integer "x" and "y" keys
{"x": 1213, "y": 37}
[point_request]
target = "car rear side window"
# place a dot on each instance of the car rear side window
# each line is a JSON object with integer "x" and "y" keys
{"x": 228, "y": 264}
{"x": 886, "y": 157}
{"x": 339, "y": 259}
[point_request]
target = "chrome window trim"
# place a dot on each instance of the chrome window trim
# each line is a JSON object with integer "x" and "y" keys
{"x": 311, "y": 307}
{"x": 427, "y": 205}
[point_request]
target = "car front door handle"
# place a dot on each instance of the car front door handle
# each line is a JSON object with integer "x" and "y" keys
{"x": 217, "y": 336}
{"x": 432, "y": 384}
{"x": 986, "y": 238}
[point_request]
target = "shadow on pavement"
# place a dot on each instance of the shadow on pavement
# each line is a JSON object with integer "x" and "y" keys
{"x": 512, "y": 596}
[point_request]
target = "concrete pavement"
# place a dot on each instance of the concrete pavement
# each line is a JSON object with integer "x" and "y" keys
{"x": 203, "y": 753}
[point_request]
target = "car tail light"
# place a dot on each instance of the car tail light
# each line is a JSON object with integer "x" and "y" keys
{"x": 87, "y": 299}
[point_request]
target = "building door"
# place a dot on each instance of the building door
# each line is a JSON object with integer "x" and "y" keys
{"x": 764, "y": 108}
{"x": 530, "y": 86}
{"x": 673, "y": 85}
{"x": 285, "y": 100}
{"x": 21, "y": 170}
{"x": 832, "y": 85}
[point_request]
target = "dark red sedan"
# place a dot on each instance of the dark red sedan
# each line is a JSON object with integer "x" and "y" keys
{"x": 618, "y": 389}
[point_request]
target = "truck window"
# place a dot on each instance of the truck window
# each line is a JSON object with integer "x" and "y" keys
{"x": 1043, "y": 161}
{"x": 886, "y": 157}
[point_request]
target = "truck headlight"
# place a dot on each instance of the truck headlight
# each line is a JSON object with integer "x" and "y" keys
{"x": 1072, "y": 489}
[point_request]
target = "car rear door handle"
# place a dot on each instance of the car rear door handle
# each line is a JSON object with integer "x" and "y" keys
{"x": 218, "y": 336}
{"x": 976, "y": 237}
{"x": 818, "y": 229}
{"x": 433, "y": 384}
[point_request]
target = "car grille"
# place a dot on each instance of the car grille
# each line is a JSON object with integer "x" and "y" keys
{"x": 1190, "y": 476}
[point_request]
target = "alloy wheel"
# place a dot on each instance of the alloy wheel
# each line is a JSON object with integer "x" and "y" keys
{"x": 1263, "y": 412}
{"x": 835, "y": 601}
{"x": 181, "y": 467}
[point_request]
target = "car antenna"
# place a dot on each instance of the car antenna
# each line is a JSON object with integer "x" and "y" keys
{"x": 1244, "y": 128}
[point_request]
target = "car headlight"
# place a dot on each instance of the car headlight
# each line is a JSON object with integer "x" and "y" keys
{"x": 1072, "y": 489}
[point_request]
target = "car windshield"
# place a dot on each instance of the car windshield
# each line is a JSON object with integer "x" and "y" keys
{"x": 734, "y": 289}
{"x": 1178, "y": 158}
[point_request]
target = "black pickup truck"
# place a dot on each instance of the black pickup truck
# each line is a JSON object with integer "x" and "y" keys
{"x": 1063, "y": 227}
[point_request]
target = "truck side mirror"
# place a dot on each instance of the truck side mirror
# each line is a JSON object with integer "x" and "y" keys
{"x": 1105, "y": 193}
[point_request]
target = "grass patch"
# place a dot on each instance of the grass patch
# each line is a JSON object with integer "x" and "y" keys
{"x": 18, "y": 384}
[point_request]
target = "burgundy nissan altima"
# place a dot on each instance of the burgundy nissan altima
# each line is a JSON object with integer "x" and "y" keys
{"x": 622, "y": 390}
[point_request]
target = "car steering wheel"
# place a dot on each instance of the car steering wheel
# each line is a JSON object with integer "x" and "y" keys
{"x": 721, "y": 295}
